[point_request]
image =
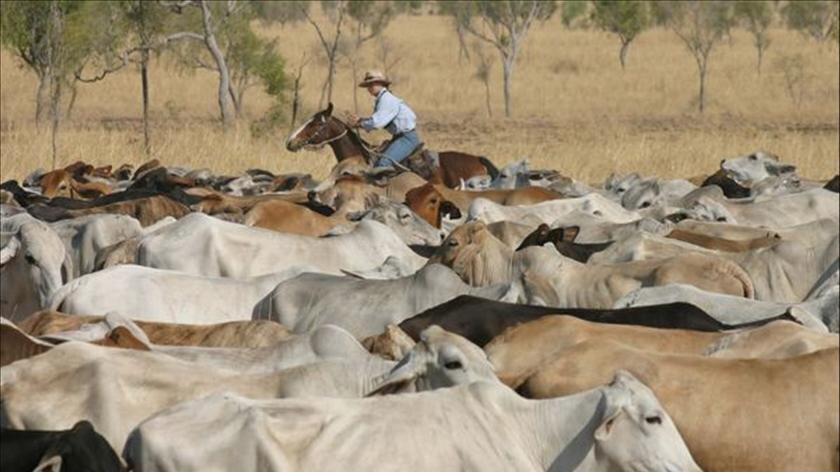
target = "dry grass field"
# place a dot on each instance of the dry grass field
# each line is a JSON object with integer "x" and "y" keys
{"x": 574, "y": 108}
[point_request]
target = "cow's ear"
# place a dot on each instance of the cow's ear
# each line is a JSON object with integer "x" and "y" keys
{"x": 449, "y": 209}
{"x": 355, "y": 215}
{"x": 287, "y": 184}
{"x": 51, "y": 464}
{"x": 570, "y": 233}
{"x": 780, "y": 170}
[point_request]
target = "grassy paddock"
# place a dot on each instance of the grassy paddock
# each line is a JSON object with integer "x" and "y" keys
{"x": 574, "y": 108}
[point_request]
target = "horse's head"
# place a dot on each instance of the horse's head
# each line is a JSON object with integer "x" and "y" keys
{"x": 317, "y": 131}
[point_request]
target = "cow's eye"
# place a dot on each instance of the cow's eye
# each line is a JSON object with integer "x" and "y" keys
{"x": 753, "y": 157}
{"x": 452, "y": 365}
{"x": 645, "y": 204}
{"x": 405, "y": 216}
{"x": 453, "y": 242}
{"x": 653, "y": 420}
{"x": 29, "y": 258}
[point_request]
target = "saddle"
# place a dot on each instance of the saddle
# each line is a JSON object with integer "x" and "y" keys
{"x": 421, "y": 161}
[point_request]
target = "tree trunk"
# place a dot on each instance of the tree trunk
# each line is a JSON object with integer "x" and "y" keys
{"x": 355, "y": 88}
{"x": 144, "y": 84}
{"x": 234, "y": 98}
{"x": 295, "y": 102}
{"x": 487, "y": 98}
{"x": 73, "y": 92}
{"x": 622, "y": 53}
{"x": 507, "y": 71}
{"x": 760, "y": 57}
{"x": 702, "y": 98}
{"x": 42, "y": 100}
{"x": 331, "y": 77}
{"x": 55, "y": 111}
{"x": 219, "y": 58}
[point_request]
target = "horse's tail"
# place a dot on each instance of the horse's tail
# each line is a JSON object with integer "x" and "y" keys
{"x": 491, "y": 169}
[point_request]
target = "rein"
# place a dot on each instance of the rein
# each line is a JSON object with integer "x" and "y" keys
{"x": 315, "y": 146}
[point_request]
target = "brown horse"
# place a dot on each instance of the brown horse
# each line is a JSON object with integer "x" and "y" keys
{"x": 324, "y": 129}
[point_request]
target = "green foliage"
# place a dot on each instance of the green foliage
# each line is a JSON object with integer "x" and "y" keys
{"x": 754, "y": 14}
{"x": 370, "y": 18}
{"x": 699, "y": 23}
{"x": 45, "y": 41}
{"x": 815, "y": 18}
{"x": 624, "y": 18}
{"x": 289, "y": 11}
{"x": 755, "y": 17}
{"x": 573, "y": 13}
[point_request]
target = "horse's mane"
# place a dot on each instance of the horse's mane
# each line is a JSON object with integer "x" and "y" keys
{"x": 367, "y": 148}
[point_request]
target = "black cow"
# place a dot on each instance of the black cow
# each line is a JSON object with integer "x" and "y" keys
{"x": 833, "y": 184}
{"x": 563, "y": 240}
{"x": 731, "y": 189}
{"x": 80, "y": 449}
{"x": 480, "y": 320}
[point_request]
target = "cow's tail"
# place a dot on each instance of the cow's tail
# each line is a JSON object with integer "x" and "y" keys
{"x": 491, "y": 168}
{"x": 733, "y": 269}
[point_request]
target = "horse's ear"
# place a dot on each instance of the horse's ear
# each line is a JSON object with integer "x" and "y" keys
{"x": 328, "y": 111}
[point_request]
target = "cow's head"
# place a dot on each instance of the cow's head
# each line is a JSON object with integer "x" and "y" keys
{"x": 635, "y": 432}
{"x": 34, "y": 265}
{"x": 544, "y": 234}
{"x": 440, "y": 359}
{"x": 475, "y": 255}
{"x": 755, "y": 167}
{"x": 56, "y": 183}
{"x": 413, "y": 230}
{"x": 350, "y": 193}
{"x": 428, "y": 202}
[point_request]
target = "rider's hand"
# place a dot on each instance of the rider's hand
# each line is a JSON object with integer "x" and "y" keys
{"x": 351, "y": 119}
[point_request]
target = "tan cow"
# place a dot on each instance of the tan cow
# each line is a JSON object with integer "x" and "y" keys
{"x": 745, "y": 415}
{"x": 214, "y": 202}
{"x": 418, "y": 199}
{"x": 723, "y": 244}
{"x": 256, "y": 333}
{"x": 62, "y": 183}
{"x": 288, "y": 217}
{"x": 520, "y": 350}
{"x": 552, "y": 279}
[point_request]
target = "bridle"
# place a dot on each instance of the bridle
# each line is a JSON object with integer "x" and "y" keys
{"x": 308, "y": 144}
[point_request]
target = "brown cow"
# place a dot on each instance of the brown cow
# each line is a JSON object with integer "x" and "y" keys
{"x": 244, "y": 334}
{"x": 430, "y": 205}
{"x": 147, "y": 210}
{"x": 63, "y": 183}
{"x": 287, "y": 217}
{"x": 462, "y": 198}
{"x": 454, "y": 167}
{"x": 745, "y": 415}
{"x": 214, "y": 202}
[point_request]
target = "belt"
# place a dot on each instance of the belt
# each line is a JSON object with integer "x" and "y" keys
{"x": 400, "y": 135}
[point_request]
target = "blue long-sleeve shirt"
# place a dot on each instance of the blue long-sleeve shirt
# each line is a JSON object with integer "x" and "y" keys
{"x": 391, "y": 113}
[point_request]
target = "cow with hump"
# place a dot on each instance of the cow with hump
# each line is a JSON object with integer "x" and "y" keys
{"x": 475, "y": 424}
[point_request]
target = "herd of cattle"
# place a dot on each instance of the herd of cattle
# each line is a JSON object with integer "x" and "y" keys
{"x": 168, "y": 319}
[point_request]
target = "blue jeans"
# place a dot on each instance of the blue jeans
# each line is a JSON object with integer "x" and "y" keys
{"x": 399, "y": 149}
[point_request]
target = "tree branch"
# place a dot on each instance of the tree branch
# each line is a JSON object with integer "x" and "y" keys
{"x": 324, "y": 42}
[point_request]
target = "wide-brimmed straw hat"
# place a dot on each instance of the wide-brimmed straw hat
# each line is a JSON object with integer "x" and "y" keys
{"x": 374, "y": 77}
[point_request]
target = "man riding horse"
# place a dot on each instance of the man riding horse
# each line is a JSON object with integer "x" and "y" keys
{"x": 391, "y": 113}
{"x": 403, "y": 151}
